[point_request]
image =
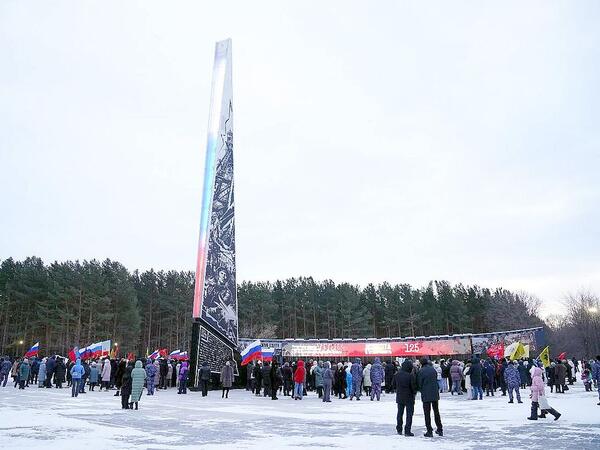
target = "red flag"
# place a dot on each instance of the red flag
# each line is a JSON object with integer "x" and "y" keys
{"x": 496, "y": 351}
{"x": 130, "y": 356}
{"x": 74, "y": 354}
{"x": 562, "y": 356}
{"x": 163, "y": 352}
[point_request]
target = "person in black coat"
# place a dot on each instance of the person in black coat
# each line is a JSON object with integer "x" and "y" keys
{"x": 288, "y": 377}
{"x": 50, "y": 367}
{"x": 164, "y": 370}
{"x": 204, "y": 378}
{"x": 60, "y": 371}
{"x": 121, "y": 369}
{"x": 276, "y": 379}
{"x": 113, "y": 372}
{"x": 258, "y": 378}
{"x": 339, "y": 379}
{"x": 430, "y": 395}
{"x": 475, "y": 373}
{"x": 126, "y": 384}
{"x": 390, "y": 370}
{"x": 266, "y": 379}
{"x": 405, "y": 383}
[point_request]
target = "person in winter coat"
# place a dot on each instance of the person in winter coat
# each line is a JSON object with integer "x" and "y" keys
{"x": 377, "y": 376}
{"x": 93, "y": 375}
{"x": 126, "y": 385}
{"x": 456, "y": 377}
{"x": 550, "y": 376}
{"x": 522, "y": 374}
{"x": 5, "y": 367}
{"x": 138, "y": 376}
{"x": 24, "y": 370}
{"x": 50, "y": 366}
{"x": 438, "y": 369}
{"x": 327, "y": 382}
{"x": 512, "y": 377}
{"x": 538, "y": 399}
{"x": 60, "y": 371}
{"x": 106, "y": 370}
{"x": 356, "y": 370}
{"x": 183, "y": 378}
{"x": 367, "y": 379}
{"x": 596, "y": 375}
{"x": 490, "y": 374}
{"x": 476, "y": 382}
{"x": 430, "y": 395}
{"x": 35, "y": 367}
{"x": 85, "y": 377}
{"x": 14, "y": 371}
{"x": 170, "y": 371}
{"x": 204, "y": 378}
{"x": 318, "y": 376}
{"x": 276, "y": 379}
{"x": 257, "y": 377}
{"x": 266, "y": 378}
{"x": 164, "y": 371}
{"x": 150, "y": 374}
{"x": 560, "y": 374}
{"x": 446, "y": 375}
{"x": 339, "y": 379}
{"x": 405, "y": 383}
{"x": 288, "y": 379}
{"x": 226, "y": 379}
{"x": 42, "y": 373}
{"x": 348, "y": 379}
{"x": 390, "y": 370}
{"x": 299, "y": 377}
{"x": 77, "y": 372}
{"x": 157, "y": 375}
{"x": 121, "y": 369}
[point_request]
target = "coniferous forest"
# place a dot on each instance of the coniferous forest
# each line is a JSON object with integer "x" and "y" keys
{"x": 64, "y": 304}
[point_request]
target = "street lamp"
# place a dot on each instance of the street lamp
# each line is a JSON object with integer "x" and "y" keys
{"x": 20, "y": 342}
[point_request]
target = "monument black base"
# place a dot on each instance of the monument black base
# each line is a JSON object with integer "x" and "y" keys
{"x": 209, "y": 346}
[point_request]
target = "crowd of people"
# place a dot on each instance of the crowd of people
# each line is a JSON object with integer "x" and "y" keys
{"x": 341, "y": 380}
{"x": 127, "y": 377}
{"x": 471, "y": 378}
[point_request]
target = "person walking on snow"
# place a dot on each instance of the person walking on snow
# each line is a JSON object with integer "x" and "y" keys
{"x": 367, "y": 379}
{"x": 327, "y": 382}
{"x": 538, "y": 398}
{"x": 183, "y": 377}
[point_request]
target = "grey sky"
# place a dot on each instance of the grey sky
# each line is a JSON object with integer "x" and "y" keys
{"x": 374, "y": 140}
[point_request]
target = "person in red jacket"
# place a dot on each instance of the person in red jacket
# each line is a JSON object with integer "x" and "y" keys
{"x": 299, "y": 377}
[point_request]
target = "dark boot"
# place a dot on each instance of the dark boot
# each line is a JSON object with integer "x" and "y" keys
{"x": 428, "y": 434}
{"x": 136, "y": 406}
{"x": 534, "y": 408}
{"x": 555, "y": 413}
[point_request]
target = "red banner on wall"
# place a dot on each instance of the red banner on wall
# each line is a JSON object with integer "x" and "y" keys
{"x": 455, "y": 346}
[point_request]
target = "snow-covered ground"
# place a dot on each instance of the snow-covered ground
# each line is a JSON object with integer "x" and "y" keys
{"x": 50, "y": 418}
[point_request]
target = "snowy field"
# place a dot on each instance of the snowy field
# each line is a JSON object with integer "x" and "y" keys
{"x": 50, "y": 418}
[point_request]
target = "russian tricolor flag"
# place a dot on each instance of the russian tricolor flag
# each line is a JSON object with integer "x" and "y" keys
{"x": 253, "y": 351}
{"x": 33, "y": 351}
{"x": 174, "y": 354}
{"x": 155, "y": 354}
{"x": 267, "y": 354}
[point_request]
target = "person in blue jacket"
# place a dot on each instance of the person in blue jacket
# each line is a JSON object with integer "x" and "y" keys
{"x": 490, "y": 372}
{"x": 150, "y": 374}
{"x": 77, "y": 372}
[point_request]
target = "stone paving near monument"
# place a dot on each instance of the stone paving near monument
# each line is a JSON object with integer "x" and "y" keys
{"x": 37, "y": 419}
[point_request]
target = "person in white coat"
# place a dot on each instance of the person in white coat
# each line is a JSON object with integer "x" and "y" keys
{"x": 105, "y": 374}
{"x": 367, "y": 379}
{"x": 467, "y": 380}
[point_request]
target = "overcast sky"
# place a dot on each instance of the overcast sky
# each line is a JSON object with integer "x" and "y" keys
{"x": 373, "y": 140}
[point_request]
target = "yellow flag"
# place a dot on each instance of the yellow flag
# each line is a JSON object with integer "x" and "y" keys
{"x": 518, "y": 352}
{"x": 526, "y": 351}
{"x": 545, "y": 357}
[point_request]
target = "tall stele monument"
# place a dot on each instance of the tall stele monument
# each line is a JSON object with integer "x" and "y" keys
{"x": 215, "y": 310}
